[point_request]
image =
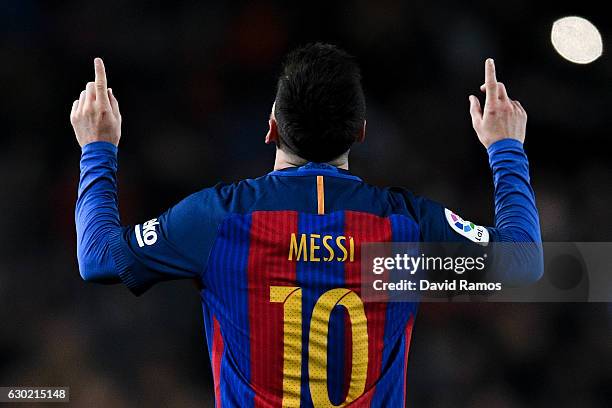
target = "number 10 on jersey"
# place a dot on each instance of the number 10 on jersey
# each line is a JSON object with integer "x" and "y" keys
{"x": 291, "y": 297}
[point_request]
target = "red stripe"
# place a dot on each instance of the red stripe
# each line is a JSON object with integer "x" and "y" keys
{"x": 217, "y": 354}
{"x": 364, "y": 228}
{"x": 269, "y": 242}
{"x": 407, "y": 340}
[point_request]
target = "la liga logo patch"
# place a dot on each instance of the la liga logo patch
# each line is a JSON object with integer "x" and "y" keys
{"x": 471, "y": 231}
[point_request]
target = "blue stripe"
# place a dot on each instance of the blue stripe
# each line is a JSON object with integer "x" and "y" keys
{"x": 226, "y": 293}
{"x": 389, "y": 392}
{"x": 316, "y": 278}
{"x": 208, "y": 329}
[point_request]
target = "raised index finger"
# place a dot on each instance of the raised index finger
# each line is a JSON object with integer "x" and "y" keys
{"x": 490, "y": 80}
{"x": 101, "y": 92}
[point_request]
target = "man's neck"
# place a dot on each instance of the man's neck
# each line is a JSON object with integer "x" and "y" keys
{"x": 284, "y": 160}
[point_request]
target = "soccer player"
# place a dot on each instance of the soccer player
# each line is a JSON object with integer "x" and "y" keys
{"x": 277, "y": 258}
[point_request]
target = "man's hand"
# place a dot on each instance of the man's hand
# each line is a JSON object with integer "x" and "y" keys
{"x": 95, "y": 115}
{"x": 502, "y": 118}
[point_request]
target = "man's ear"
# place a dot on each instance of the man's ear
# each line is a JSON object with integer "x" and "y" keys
{"x": 272, "y": 136}
{"x": 362, "y": 133}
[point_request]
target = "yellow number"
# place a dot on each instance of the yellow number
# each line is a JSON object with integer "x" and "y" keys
{"x": 292, "y": 339}
{"x": 317, "y": 344}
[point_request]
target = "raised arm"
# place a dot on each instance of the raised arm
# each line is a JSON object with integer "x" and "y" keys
{"x": 501, "y": 129}
{"x": 96, "y": 121}
{"x": 174, "y": 245}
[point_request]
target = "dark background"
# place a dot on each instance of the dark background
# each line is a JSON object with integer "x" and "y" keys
{"x": 195, "y": 82}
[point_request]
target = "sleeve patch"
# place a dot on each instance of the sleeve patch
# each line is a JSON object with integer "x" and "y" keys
{"x": 148, "y": 235}
{"x": 475, "y": 233}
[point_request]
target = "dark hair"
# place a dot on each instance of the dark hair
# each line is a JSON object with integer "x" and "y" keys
{"x": 320, "y": 105}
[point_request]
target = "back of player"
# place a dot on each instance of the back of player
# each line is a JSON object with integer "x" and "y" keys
{"x": 277, "y": 259}
{"x": 281, "y": 293}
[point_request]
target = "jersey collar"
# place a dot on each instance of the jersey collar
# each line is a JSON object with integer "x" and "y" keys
{"x": 318, "y": 169}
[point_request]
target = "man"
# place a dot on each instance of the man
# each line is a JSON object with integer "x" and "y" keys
{"x": 278, "y": 258}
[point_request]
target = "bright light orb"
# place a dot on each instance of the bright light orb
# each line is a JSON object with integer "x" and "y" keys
{"x": 576, "y": 39}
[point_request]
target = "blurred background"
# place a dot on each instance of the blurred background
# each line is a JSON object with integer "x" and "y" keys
{"x": 195, "y": 81}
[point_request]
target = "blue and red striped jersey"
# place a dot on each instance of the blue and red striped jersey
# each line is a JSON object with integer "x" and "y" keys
{"x": 281, "y": 280}
{"x": 277, "y": 261}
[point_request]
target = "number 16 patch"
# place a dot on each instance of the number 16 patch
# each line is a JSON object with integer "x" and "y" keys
{"x": 471, "y": 231}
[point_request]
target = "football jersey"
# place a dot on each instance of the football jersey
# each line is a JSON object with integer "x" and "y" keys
{"x": 277, "y": 261}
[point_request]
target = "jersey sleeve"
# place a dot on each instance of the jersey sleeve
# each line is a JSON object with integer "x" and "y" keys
{"x": 439, "y": 224}
{"x": 516, "y": 217}
{"x": 174, "y": 245}
{"x": 516, "y": 214}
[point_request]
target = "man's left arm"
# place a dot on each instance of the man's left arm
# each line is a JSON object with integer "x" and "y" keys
{"x": 501, "y": 128}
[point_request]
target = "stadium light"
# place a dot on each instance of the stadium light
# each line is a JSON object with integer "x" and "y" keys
{"x": 576, "y": 39}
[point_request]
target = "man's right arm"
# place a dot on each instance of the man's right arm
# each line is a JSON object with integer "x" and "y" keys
{"x": 96, "y": 120}
{"x": 174, "y": 245}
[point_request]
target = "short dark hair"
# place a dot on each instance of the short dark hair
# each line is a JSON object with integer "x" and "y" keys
{"x": 320, "y": 105}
